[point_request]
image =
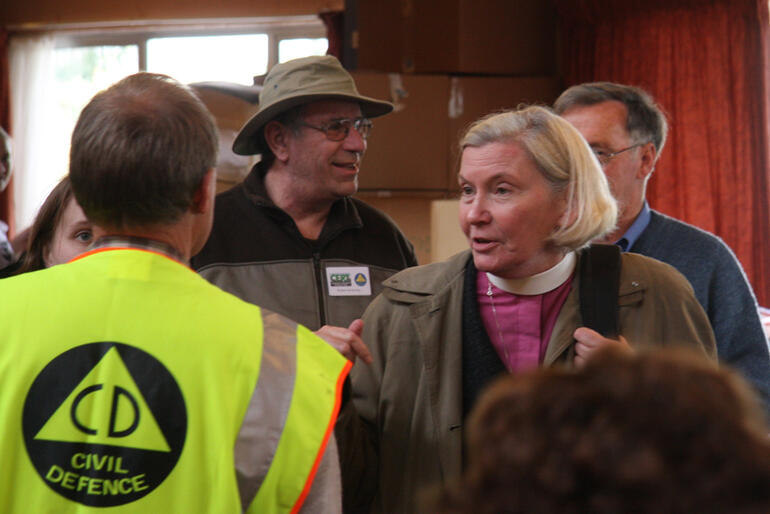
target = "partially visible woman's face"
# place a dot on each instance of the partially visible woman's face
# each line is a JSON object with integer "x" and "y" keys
{"x": 508, "y": 211}
{"x": 71, "y": 237}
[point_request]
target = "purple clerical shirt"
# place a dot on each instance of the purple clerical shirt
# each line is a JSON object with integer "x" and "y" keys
{"x": 520, "y": 326}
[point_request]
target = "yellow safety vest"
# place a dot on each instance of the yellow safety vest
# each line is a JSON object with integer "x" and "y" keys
{"x": 130, "y": 384}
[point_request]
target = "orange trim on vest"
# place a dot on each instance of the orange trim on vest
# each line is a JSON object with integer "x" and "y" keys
{"x": 329, "y": 430}
{"x": 107, "y": 249}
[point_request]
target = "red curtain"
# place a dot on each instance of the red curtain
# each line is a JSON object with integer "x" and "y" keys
{"x": 706, "y": 63}
{"x": 6, "y": 197}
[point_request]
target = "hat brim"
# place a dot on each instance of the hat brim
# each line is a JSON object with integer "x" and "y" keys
{"x": 248, "y": 141}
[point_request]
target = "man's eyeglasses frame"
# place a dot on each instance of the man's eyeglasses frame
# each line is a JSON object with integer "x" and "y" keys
{"x": 338, "y": 130}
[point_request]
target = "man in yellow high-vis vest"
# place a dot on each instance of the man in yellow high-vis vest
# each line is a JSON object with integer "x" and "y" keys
{"x": 130, "y": 384}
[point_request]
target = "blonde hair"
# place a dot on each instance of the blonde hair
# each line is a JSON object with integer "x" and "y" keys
{"x": 564, "y": 159}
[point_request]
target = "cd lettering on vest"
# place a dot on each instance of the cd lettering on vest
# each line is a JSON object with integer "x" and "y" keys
{"x": 104, "y": 424}
{"x": 112, "y": 429}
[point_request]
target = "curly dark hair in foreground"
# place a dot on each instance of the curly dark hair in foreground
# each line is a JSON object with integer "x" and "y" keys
{"x": 646, "y": 433}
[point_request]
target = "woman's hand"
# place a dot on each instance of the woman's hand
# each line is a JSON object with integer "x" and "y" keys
{"x": 589, "y": 341}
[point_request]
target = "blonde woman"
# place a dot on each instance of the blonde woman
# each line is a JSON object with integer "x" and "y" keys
{"x": 533, "y": 196}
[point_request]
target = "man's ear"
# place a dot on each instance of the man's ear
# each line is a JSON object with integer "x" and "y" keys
{"x": 276, "y": 137}
{"x": 648, "y": 156}
{"x": 203, "y": 200}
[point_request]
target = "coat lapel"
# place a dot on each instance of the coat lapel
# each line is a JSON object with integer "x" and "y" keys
{"x": 439, "y": 327}
{"x": 561, "y": 345}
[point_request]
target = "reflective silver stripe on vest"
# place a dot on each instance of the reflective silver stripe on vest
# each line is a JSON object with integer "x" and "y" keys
{"x": 269, "y": 406}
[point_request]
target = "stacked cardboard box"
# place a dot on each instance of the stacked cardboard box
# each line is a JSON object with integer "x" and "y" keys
{"x": 414, "y": 148}
{"x": 498, "y": 37}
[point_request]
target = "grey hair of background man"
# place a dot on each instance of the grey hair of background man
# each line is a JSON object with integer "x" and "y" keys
{"x": 564, "y": 159}
{"x": 646, "y": 121}
{"x": 140, "y": 150}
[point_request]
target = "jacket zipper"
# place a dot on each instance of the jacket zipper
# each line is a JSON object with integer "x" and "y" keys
{"x": 319, "y": 287}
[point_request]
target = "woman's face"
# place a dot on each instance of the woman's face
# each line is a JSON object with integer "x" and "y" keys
{"x": 71, "y": 237}
{"x": 508, "y": 210}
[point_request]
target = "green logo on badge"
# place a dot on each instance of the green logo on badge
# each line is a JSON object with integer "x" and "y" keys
{"x": 340, "y": 279}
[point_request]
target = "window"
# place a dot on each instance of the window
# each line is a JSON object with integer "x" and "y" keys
{"x": 78, "y": 74}
{"x": 88, "y": 59}
{"x": 289, "y": 49}
{"x": 203, "y": 58}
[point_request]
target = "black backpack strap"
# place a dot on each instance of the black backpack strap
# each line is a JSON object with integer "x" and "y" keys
{"x": 599, "y": 286}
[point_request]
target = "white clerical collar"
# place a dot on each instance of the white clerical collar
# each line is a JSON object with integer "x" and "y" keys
{"x": 540, "y": 283}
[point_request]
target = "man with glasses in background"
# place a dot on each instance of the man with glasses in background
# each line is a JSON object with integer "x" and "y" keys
{"x": 627, "y": 132}
{"x": 290, "y": 238}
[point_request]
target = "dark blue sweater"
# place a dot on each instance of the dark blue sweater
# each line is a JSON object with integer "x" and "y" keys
{"x": 721, "y": 288}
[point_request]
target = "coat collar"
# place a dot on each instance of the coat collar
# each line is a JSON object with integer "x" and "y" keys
{"x": 416, "y": 284}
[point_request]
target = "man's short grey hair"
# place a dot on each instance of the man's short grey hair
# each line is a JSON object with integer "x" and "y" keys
{"x": 646, "y": 121}
{"x": 564, "y": 159}
{"x": 140, "y": 150}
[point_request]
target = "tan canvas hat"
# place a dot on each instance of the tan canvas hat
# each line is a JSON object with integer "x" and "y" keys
{"x": 298, "y": 82}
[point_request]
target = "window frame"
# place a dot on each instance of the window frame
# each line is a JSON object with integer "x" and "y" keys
{"x": 29, "y": 191}
{"x": 124, "y": 34}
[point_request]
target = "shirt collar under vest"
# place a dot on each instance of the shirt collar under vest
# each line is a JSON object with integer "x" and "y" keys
{"x": 139, "y": 243}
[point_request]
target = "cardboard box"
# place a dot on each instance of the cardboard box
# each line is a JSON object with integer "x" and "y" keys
{"x": 499, "y": 37}
{"x": 407, "y": 148}
{"x": 446, "y": 236}
{"x": 414, "y": 148}
{"x": 470, "y": 98}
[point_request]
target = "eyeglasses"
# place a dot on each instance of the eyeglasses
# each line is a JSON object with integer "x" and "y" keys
{"x": 604, "y": 158}
{"x": 337, "y": 130}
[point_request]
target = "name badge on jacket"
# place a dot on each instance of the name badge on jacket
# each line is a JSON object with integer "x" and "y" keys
{"x": 348, "y": 281}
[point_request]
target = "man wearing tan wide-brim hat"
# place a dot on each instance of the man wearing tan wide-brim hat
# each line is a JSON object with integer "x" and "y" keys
{"x": 291, "y": 238}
